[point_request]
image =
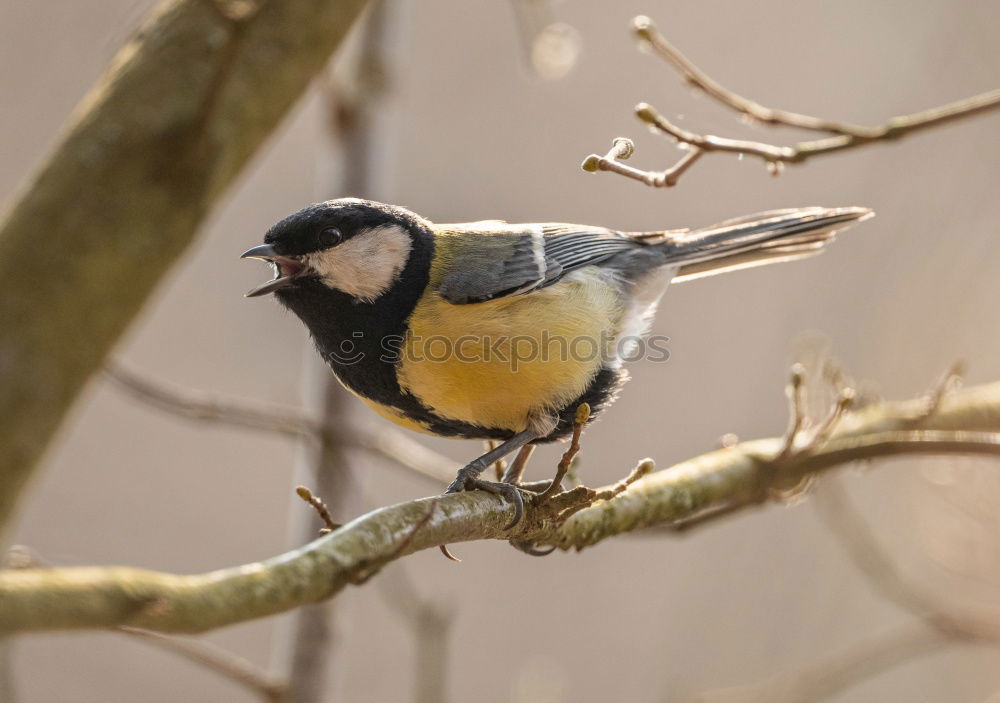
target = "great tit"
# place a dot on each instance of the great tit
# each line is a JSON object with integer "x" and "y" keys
{"x": 497, "y": 331}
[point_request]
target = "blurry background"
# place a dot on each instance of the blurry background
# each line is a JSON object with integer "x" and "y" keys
{"x": 474, "y": 134}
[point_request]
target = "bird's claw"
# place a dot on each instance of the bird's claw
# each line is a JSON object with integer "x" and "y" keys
{"x": 467, "y": 481}
{"x": 530, "y": 548}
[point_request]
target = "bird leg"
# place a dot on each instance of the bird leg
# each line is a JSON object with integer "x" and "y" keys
{"x": 501, "y": 466}
{"x": 468, "y": 479}
{"x": 515, "y": 471}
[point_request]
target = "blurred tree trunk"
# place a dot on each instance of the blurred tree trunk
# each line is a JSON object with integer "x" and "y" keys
{"x": 152, "y": 147}
{"x": 307, "y": 652}
{"x": 356, "y": 127}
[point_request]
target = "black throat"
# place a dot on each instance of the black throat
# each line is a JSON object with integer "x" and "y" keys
{"x": 358, "y": 339}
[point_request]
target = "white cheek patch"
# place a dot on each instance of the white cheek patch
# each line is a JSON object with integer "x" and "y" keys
{"x": 367, "y": 264}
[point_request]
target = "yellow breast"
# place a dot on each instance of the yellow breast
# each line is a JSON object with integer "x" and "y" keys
{"x": 505, "y": 361}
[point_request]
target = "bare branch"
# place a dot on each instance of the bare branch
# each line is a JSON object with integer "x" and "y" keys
{"x": 227, "y": 664}
{"x": 720, "y": 482}
{"x": 844, "y": 135}
{"x": 855, "y": 535}
{"x": 406, "y": 452}
{"x": 949, "y": 381}
{"x": 647, "y": 32}
{"x": 796, "y": 392}
{"x": 939, "y": 623}
{"x": 291, "y": 422}
{"x": 641, "y": 469}
{"x": 319, "y": 506}
{"x": 832, "y": 675}
{"x": 623, "y": 148}
{"x": 825, "y": 428}
{"x": 209, "y": 408}
{"x": 582, "y": 415}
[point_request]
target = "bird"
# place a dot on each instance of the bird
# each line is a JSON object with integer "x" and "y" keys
{"x": 496, "y": 331}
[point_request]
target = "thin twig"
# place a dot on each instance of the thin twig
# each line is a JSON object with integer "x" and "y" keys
{"x": 290, "y": 422}
{"x": 855, "y": 535}
{"x": 641, "y": 469}
{"x": 406, "y": 453}
{"x": 320, "y": 507}
{"x": 796, "y": 392}
{"x": 939, "y": 622}
{"x": 845, "y": 400}
{"x": 844, "y": 135}
{"x": 779, "y": 487}
{"x": 211, "y": 408}
{"x": 833, "y": 674}
{"x": 623, "y": 148}
{"x": 949, "y": 381}
{"x": 227, "y": 664}
{"x": 647, "y": 32}
{"x": 579, "y": 421}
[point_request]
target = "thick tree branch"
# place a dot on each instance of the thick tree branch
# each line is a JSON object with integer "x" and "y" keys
{"x": 179, "y": 112}
{"x": 720, "y": 482}
{"x": 844, "y": 135}
{"x": 220, "y": 661}
{"x": 941, "y": 621}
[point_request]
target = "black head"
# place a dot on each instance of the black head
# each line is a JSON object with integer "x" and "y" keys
{"x": 353, "y": 245}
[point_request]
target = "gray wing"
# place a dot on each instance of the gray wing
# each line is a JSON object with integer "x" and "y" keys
{"x": 506, "y": 260}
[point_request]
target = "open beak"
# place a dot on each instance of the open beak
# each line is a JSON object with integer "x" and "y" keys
{"x": 286, "y": 269}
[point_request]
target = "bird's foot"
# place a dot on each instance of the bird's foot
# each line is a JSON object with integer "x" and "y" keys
{"x": 468, "y": 480}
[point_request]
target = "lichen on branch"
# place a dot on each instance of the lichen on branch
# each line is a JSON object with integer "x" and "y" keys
{"x": 154, "y": 144}
{"x": 721, "y": 482}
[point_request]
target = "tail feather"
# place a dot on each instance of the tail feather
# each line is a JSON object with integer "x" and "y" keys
{"x": 755, "y": 240}
{"x": 745, "y": 260}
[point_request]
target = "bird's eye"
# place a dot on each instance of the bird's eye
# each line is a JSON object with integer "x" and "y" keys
{"x": 330, "y": 237}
